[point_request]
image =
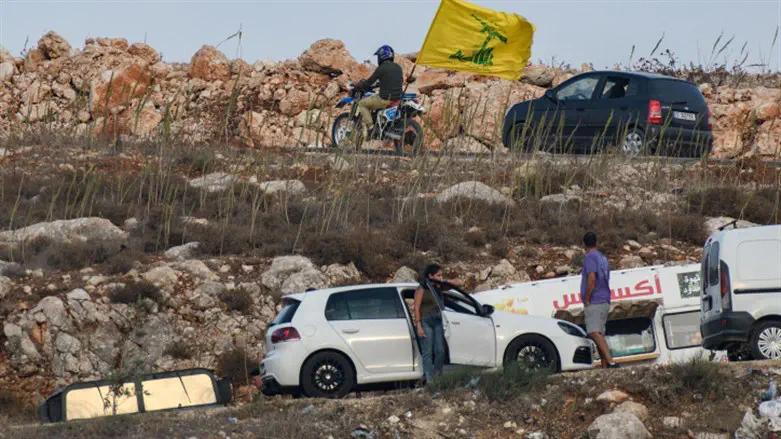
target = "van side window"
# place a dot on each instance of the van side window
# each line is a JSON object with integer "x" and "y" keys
{"x": 713, "y": 264}
{"x": 369, "y": 304}
{"x": 682, "y": 330}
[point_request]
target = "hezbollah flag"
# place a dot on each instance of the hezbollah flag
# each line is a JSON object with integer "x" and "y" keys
{"x": 467, "y": 37}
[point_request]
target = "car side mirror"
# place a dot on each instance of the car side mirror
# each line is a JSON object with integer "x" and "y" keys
{"x": 550, "y": 94}
{"x": 488, "y": 310}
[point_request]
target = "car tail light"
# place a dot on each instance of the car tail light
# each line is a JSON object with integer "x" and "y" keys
{"x": 724, "y": 285}
{"x": 285, "y": 334}
{"x": 654, "y": 112}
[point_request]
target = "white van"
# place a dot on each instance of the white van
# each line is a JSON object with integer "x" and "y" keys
{"x": 741, "y": 293}
{"x": 654, "y": 312}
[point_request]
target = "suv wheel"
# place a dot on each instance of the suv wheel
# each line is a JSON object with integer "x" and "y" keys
{"x": 327, "y": 375}
{"x": 633, "y": 142}
{"x": 534, "y": 352}
{"x": 766, "y": 341}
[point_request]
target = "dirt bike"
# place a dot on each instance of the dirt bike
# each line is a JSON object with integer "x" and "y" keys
{"x": 396, "y": 123}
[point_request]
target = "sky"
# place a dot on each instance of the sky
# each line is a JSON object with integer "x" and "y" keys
{"x": 601, "y": 32}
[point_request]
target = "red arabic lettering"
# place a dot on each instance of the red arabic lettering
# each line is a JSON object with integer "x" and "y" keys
{"x": 641, "y": 289}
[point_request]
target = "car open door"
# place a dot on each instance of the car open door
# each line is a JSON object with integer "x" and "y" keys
{"x": 470, "y": 334}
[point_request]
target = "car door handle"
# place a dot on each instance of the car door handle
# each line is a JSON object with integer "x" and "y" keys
{"x": 455, "y": 323}
{"x": 623, "y": 108}
{"x": 350, "y": 331}
{"x": 580, "y": 109}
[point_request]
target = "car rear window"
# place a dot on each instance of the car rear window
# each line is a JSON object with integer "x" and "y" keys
{"x": 289, "y": 307}
{"x": 670, "y": 90}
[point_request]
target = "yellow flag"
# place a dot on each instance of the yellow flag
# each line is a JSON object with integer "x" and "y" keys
{"x": 471, "y": 38}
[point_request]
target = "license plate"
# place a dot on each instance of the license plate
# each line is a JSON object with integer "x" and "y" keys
{"x": 682, "y": 115}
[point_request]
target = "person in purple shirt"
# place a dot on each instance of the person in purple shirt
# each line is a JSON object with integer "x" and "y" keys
{"x": 595, "y": 295}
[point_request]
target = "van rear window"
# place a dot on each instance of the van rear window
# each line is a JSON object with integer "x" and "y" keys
{"x": 289, "y": 307}
{"x": 670, "y": 90}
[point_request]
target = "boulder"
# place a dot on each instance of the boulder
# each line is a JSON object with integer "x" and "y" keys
{"x": 614, "y": 396}
{"x": 183, "y": 252}
{"x": 634, "y": 408}
{"x": 117, "y": 87}
{"x": 560, "y": 199}
{"x": 405, "y": 274}
{"x": 338, "y": 274}
{"x": 473, "y": 190}
{"x": 214, "y": 182}
{"x": 631, "y": 261}
{"x": 466, "y": 145}
{"x": 539, "y": 75}
{"x": 50, "y": 310}
{"x": 145, "y": 52}
{"x": 5, "y": 286}
{"x": 53, "y": 46}
{"x": 621, "y": 425}
{"x": 712, "y": 224}
{"x": 282, "y": 267}
{"x": 206, "y": 295}
{"x": 7, "y": 70}
{"x": 282, "y": 187}
{"x": 163, "y": 276}
{"x": 197, "y": 269}
{"x": 502, "y": 273}
{"x": 91, "y": 232}
{"x": 209, "y": 64}
{"x": 302, "y": 280}
{"x": 330, "y": 57}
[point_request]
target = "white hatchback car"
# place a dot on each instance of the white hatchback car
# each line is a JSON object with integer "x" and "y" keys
{"x": 327, "y": 342}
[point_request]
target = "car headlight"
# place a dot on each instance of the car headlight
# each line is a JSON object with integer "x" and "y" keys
{"x": 573, "y": 330}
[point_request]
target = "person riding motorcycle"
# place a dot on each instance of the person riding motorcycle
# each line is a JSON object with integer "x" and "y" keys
{"x": 390, "y": 77}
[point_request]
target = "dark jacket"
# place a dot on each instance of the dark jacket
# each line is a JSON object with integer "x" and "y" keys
{"x": 391, "y": 79}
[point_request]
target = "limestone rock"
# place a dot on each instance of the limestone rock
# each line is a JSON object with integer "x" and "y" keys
{"x": 473, "y": 190}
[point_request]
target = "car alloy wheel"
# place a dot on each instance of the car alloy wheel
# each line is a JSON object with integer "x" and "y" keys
{"x": 769, "y": 343}
{"x": 328, "y": 376}
{"x": 633, "y": 143}
{"x": 534, "y": 357}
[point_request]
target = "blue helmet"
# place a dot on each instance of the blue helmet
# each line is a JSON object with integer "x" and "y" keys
{"x": 384, "y": 53}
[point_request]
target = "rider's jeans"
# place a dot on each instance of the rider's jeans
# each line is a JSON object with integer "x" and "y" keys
{"x": 369, "y": 104}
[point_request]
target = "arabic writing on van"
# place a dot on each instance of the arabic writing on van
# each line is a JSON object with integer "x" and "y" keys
{"x": 644, "y": 288}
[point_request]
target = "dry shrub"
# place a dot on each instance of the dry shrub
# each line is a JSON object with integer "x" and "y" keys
{"x": 45, "y": 253}
{"x": 135, "y": 291}
{"x": 13, "y": 406}
{"x": 373, "y": 253}
{"x": 122, "y": 262}
{"x": 178, "y": 350}
{"x": 500, "y": 248}
{"x": 236, "y": 365}
{"x": 237, "y": 300}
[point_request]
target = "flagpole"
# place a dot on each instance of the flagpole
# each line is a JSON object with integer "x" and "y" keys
{"x": 439, "y": 8}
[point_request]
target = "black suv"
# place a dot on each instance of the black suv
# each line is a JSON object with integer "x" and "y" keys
{"x": 639, "y": 113}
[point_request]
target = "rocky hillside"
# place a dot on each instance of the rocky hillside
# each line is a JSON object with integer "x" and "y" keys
{"x": 115, "y": 89}
{"x": 699, "y": 400}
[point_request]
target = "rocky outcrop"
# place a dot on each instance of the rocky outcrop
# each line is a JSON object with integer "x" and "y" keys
{"x": 90, "y": 232}
{"x": 113, "y": 88}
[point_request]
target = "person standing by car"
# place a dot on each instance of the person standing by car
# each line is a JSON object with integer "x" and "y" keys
{"x": 428, "y": 319}
{"x": 595, "y": 295}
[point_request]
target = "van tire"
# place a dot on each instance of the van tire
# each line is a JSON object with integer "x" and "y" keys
{"x": 327, "y": 374}
{"x": 540, "y": 347}
{"x": 769, "y": 330}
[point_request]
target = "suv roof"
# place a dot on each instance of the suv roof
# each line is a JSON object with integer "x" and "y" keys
{"x": 645, "y": 75}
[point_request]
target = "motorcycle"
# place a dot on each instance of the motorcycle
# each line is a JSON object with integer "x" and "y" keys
{"x": 395, "y": 123}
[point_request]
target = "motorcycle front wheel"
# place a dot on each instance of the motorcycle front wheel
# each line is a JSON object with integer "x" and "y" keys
{"x": 347, "y": 132}
{"x": 411, "y": 139}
